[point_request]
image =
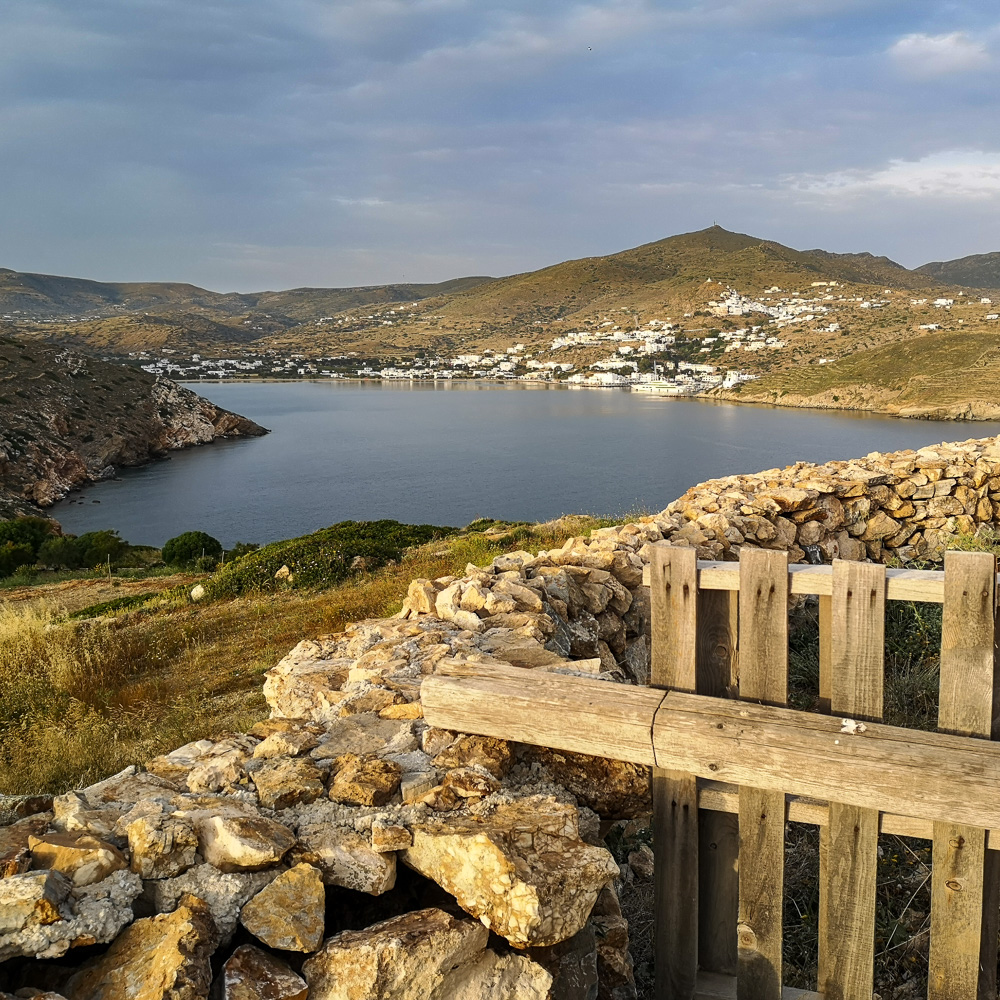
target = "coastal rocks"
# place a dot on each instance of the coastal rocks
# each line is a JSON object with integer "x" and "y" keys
{"x": 521, "y": 868}
{"x": 423, "y": 955}
{"x": 165, "y": 957}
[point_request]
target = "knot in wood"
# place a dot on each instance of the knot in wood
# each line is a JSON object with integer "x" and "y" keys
{"x": 746, "y": 937}
{"x": 955, "y": 885}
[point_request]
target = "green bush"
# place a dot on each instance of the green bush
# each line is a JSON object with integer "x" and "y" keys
{"x": 241, "y": 549}
{"x": 31, "y": 531}
{"x": 14, "y": 555}
{"x": 185, "y": 549}
{"x": 61, "y": 551}
{"x": 323, "y": 558}
{"x": 100, "y": 547}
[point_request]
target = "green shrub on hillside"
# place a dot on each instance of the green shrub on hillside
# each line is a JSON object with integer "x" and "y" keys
{"x": 88, "y": 551}
{"x": 31, "y": 531}
{"x": 186, "y": 549}
{"x": 323, "y": 558}
{"x": 14, "y": 555}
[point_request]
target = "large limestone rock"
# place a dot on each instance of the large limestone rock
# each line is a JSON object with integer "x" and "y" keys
{"x": 252, "y": 974}
{"x": 161, "y": 845}
{"x": 364, "y": 781}
{"x": 521, "y": 869}
{"x": 287, "y": 781}
{"x": 47, "y": 915}
{"x": 289, "y": 912}
{"x": 345, "y": 858}
{"x": 614, "y": 789}
{"x": 242, "y": 842}
{"x": 424, "y": 955}
{"x": 225, "y": 894}
{"x": 83, "y": 859}
{"x": 157, "y": 958}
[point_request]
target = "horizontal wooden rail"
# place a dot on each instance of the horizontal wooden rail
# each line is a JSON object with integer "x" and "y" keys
{"x": 902, "y": 584}
{"x": 721, "y": 796}
{"x": 934, "y": 776}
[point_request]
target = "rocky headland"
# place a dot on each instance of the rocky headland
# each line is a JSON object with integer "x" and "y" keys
{"x": 345, "y": 849}
{"x": 68, "y": 420}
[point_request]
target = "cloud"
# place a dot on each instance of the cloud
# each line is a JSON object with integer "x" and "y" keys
{"x": 954, "y": 174}
{"x": 929, "y": 56}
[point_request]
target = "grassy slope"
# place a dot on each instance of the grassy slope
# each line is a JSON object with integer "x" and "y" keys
{"x": 956, "y": 373}
{"x": 80, "y": 700}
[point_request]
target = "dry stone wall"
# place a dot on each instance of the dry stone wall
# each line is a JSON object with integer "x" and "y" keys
{"x": 343, "y": 848}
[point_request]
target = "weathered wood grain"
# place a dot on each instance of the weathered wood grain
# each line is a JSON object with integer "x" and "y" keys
{"x": 718, "y": 832}
{"x": 849, "y": 848}
{"x": 964, "y": 886}
{"x": 532, "y": 706}
{"x": 903, "y": 584}
{"x": 674, "y": 625}
{"x": 763, "y": 615}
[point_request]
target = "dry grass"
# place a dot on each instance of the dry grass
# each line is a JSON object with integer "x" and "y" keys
{"x": 80, "y": 700}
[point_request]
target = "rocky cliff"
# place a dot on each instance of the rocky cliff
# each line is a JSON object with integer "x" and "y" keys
{"x": 66, "y": 420}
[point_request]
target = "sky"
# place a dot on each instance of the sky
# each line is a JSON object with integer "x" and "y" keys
{"x": 251, "y": 144}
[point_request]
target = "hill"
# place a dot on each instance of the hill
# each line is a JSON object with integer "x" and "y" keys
{"x": 981, "y": 270}
{"x": 51, "y": 297}
{"x": 66, "y": 420}
{"x": 945, "y": 376}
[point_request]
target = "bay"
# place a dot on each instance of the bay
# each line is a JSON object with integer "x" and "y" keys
{"x": 449, "y": 453}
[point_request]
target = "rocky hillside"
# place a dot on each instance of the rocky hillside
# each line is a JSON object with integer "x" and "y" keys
{"x": 980, "y": 270}
{"x": 66, "y": 420}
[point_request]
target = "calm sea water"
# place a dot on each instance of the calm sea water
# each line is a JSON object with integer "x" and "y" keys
{"x": 449, "y": 454}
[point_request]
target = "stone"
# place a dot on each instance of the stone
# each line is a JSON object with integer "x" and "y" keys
{"x": 365, "y": 734}
{"x": 614, "y": 789}
{"x": 166, "y": 957}
{"x": 288, "y": 913}
{"x": 364, "y": 781}
{"x": 522, "y": 869}
{"x": 388, "y": 837}
{"x": 287, "y": 781}
{"x": 423, "y": 955}
{"x": 420, "y": 597}
{"x": 471, "y": 782}
{"x": 15, "y": 857}
{"x": 161, "y": 846}
{"x": 306, "y": 683}
{"x": 416, "y": 784}
{"x": 225, "y": 893}
{"x": 242, "y": 843}
{"x": 346, "y": 858}
{"x": 252, "y": 974}
{"x": 572, "y": 965}
{"x": 83, "y": 859}
{"x": 614, "y": 957}
{"x": 285, "y": 744}
{"x": 487, "y": 752}
{"x": 406, "y": 710}
{"x": 32, "y": 898}
{"x": 641, "y": 862}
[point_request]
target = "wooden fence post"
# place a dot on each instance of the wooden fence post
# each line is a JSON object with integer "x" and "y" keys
{"x": 849, "y": 862}
{"x": 718, "y": 832}
{"x": 674, "y": 610}
{"x": 965, "y": 876}
{"x": 764, "y": 589}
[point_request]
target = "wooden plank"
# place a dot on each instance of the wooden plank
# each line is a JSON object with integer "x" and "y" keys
{"x": 849, "y": 849}
{"x": 723, "y": 797}
{"x": 903, "y": 584}
{"x": 964, "y": 887}
{"x": 718, "y": 832}
{"x": 595, "y": 717}
{"x": 934, "y": 776}
{"x": 825, "y": 651}
{"x": 673, "y": 594}
{"x": 763, "y": 615}
{"x": 674, "y": 619}
{"x": 929, "y": 775}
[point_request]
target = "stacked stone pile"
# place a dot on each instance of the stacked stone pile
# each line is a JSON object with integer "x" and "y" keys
{"x": 345, "y": 849}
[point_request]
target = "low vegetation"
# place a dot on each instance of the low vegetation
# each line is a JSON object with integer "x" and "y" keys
{"x": 125, "y": 679}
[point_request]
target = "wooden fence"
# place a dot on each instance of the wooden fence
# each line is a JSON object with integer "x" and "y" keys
{"x": 732, "y": 764}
